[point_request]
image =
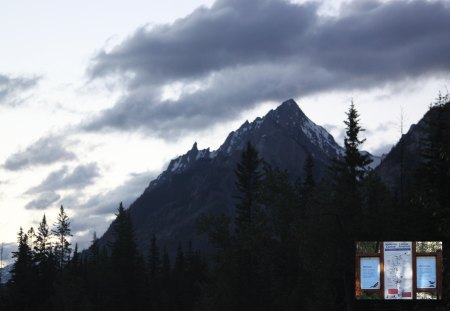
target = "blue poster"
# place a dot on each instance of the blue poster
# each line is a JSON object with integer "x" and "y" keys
{"x": 370, "y": 272}
{"x": 426, "y": 271}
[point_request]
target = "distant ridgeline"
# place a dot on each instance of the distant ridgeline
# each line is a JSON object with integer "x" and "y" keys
{"x": 269, "y": 221}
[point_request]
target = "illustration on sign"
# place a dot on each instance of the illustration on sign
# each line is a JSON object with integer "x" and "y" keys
{"x": 398, "y": 275}
{"x": 426, "y": 272}
{"x": 370, "y": 272}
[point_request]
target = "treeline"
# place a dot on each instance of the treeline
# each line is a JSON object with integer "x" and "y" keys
{"x": 47, "y": 275}
{"x": 290, "y": 245}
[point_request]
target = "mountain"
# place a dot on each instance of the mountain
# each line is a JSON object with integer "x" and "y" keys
{"x": 203, "y": 181}
{"x": 6, "y": 273}
{"x": 408, "y": 150}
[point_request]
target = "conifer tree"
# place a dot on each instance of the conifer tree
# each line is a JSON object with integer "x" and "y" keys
{"x": 250, "y": 229}
{"x": 248, "y": 182}
{"x": 62, "y": 232}
{"x": 43, "y": 246}
{"x": 45, "y": 261}
{"x": 126, "y": 264}
{"x": 23, "y": 274}
{"x": 347, "y": 173}
{"x": 345, "y": 206}
{"x": 75, "y": 262}
{"x": 355, "y": 161}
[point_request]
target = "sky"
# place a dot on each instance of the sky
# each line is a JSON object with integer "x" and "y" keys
{"x": 96, "y": 97}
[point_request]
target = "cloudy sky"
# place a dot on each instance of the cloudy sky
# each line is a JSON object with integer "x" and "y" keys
{"x": 97, "y": 96}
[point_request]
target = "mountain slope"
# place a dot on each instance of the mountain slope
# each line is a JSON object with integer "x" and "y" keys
{"x": 6, "y": 273}
{"x": 202, "y": 181}
{"x": 408, "y": 151}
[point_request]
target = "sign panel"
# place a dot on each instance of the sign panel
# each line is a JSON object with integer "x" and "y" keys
{"x": 370, "y": 272}
{"x": 426, "y": 271}
{"x": 398, "y": 272}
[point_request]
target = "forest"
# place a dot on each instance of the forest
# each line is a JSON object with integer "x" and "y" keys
{"x": 291, "y": 245}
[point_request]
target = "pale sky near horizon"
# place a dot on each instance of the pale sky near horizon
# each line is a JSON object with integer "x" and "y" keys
{"x": 96, "y": 97}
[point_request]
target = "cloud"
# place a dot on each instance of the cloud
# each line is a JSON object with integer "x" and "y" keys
{"x": 44, "y": 151}
{"x": 237, "y": 54}
{"x": 79, "y": 178}
{"x": 382, "y": 149}
{"x": 230, "y": 34}
{"x": 128, "y": 192}
{"x": 44, "y": 201}
{"x": 94, "y": 213}
{"x": 12, "y": 87}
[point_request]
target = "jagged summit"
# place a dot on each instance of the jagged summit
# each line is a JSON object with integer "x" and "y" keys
{"x": 267, "y": 133}
{"x": 289, "y": 109}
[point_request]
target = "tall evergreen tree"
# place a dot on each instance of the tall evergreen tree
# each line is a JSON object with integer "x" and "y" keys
{"x": 248, "y": 183}
{"x": 126, "y": 264}
{"x": 250, "y": 230}
{"x": 62, "y": 232}
{"x": 43, "y": 247}
{"x": 355, "y": 161}
{"x": 345, "y": 206}
{"x": 45, "y": 261}
{"x": 23, "y": 279}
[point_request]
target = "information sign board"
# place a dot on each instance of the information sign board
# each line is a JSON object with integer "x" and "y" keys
{"x": 398, "y": 272}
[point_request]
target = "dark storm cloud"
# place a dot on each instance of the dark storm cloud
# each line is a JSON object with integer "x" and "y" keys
{"x": 11, "y": 88}
{"x": 230, "y": 34}
{"x": 44, "y": 151}
{"x": 241, "y": 53}
{"x": 79, "y": 178}
{"x": 44, "y": 201}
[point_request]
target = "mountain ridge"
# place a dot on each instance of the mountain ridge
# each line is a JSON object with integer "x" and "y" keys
{"x": 282, "y": 115}
{"x": 202, "y": 181}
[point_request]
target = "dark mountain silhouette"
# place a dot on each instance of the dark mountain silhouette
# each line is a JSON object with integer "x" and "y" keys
{"x": 203, "y": 181}
{"x": 408, "y": 150}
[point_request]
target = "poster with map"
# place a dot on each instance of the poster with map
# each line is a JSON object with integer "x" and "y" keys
{"x": 398, "y": 272}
